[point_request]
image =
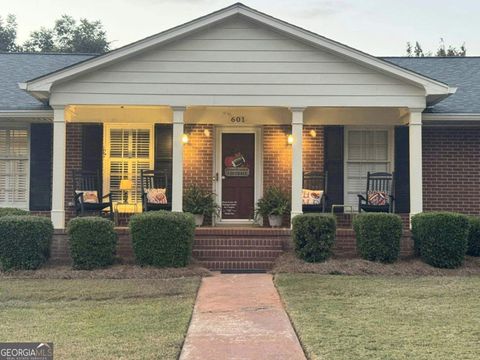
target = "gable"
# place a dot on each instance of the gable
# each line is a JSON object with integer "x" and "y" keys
{"x": 237, "y": 62}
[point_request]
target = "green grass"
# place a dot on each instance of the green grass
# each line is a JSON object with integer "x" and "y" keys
{"x": 354, "y": 317}
{"x": 99, "y": 319}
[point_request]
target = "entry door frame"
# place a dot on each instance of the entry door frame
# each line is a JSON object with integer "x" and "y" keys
{"x": 258, "y": 181}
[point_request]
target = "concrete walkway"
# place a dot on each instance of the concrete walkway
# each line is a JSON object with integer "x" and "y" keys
{"x": 240, "y": 317}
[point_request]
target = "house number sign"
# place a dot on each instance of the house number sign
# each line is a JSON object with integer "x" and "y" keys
{"x": 237, "y": 119}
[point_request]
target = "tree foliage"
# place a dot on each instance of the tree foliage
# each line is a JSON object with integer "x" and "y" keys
{"x": 443, "y": 50}
{"x": 8, "y": 33}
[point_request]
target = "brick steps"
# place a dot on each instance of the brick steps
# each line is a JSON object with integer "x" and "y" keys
{"x": 239, "y": 249}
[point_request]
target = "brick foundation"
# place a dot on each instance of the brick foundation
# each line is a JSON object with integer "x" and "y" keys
{"x": 451, "y": 169}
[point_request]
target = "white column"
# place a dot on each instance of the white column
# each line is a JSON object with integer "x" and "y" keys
{"x": 415, "y": 156}
{"x": 297, "y": 162}
{"x": 177, "y": 161}
{"x": 58, "y": 174}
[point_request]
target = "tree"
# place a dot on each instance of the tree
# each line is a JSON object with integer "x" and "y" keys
{"x": 442, "y": 50}
{"x": 8, "y": 33}
{"x": 69, "y": 36}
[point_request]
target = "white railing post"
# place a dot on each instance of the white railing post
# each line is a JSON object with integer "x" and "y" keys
{"x": 415, "y": 156}
{"x": 58, "y": 173}
{"x": 297, "y": 162}
{"x": 177, "y": 159}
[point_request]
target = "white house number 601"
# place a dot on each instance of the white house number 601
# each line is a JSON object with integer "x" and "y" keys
{"x": 237, "y": 119}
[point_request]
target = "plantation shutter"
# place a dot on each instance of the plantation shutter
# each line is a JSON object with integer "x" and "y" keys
{"x": 14, "y": 158}
{"x": 41, "y": 152}
{"x": 163, "y": 151}
{"x": 402, "y": 170}
{"x": 130, "y": 152}
{"x": 333, "y": 140}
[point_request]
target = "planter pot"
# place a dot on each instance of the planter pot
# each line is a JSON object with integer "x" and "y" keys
{"x": 198, "y": 219}
{"x": 275, "y": 220}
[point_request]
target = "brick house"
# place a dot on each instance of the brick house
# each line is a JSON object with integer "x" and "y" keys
{"x": 238, "y": 82}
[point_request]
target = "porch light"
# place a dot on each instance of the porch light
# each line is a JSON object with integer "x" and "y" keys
{"x": 313, "y": 133}
{"x": 206, "y": 132}
{"x": 185, "y": 138}
{"x": 290, "y": 139}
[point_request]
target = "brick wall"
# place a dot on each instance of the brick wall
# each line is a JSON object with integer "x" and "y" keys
{"x": 277, "y": 157}
{"x": 73, "y": 161}
{"x": 198, "y": 157}
{"x": 313, "y": 148}
{"x": 451, "y": 169}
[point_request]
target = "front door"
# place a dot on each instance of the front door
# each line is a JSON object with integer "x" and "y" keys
{"x": 238, "y": 176}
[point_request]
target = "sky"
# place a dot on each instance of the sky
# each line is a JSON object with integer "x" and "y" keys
{"x": 378, "y": 27}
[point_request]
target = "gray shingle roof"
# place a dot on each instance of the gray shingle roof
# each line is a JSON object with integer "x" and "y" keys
{"x": 463, "y": 73}
{"x": 460, "y": 72}
{"x": 20, "y": 67}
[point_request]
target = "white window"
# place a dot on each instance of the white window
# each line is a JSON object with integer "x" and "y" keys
{"x": 14, "y": 167}
{"x": 128, "y": 151}
{"x": 365, "y": 150}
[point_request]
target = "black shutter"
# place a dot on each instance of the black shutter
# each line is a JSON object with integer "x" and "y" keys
{"x": 92, "y": 149}
{"x": 163, "y": 151}
{"x": 334, "y": 164}
{"x": 402, "y": 170}
{"x": 41, "y": 148}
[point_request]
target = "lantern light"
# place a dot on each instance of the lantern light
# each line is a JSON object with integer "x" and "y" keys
{"x": 185, "y": 139}
{"x": 290, "y": 139}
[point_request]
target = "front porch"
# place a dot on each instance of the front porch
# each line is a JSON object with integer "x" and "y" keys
{"x": 186, "y": 144}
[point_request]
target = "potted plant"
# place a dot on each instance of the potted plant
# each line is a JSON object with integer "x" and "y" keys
{"x": 199, "y": 202}
{"x": 274, "y": 205}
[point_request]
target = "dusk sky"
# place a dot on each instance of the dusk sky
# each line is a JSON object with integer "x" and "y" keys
{"x": 379, "y": 27}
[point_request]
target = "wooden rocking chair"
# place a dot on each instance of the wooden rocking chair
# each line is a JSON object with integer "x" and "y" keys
{"x": 89, "y": 181}
{"x": 379, "y": 195}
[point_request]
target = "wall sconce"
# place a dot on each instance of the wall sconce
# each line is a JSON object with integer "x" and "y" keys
{"x": 290, "y": 139}
{"x": 206, "y": 132}
{"x": 313, "y": 133}
{"x": 185, "y": 139}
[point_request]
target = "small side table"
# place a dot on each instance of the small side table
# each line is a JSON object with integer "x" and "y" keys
{"x": 123, "y": 208}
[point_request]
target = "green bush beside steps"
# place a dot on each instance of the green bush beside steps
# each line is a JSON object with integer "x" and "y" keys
{"x": 313, "y": 236}
{"x": 162, "y": 238}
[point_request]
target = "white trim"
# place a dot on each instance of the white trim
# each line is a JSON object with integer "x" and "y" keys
{"x": 450, "y": 117}
{"x": 27, "y": 114}
{"x": 58, "y": 173}
{"x": 177, "y": 158}
{"x": 41, "y": 87}
{"x": 415, "y": 162}
{"x": 390, "y": 158}
{"x": 297, "y": 161}
{"x": 258, "y": 181}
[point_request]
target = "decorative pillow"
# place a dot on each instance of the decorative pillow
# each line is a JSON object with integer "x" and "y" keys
{"x": 312, "y": 197}
{"x": 157, "y": 196}
{"x": 89, "y": 196}
{"x": 377, "y": 198}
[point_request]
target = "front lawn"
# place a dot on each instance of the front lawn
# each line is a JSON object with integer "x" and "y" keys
{"x": 360, "y": 317}
{"x": 99, "y": 318}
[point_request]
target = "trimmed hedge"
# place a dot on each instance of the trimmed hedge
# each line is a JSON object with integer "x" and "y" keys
{"x": 162, "y": 238}
{"x": 313, "y": 236}
{"x": 474, "y": 236}
{"x": 24, "y": 242}
{"x": 93, "y": 242}
{"x": 378, "y": 236}
{"x": 12, "y": 212}
{"x": 441, "y": 238}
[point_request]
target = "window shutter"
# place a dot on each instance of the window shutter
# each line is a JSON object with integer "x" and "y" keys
{"x": 333, "y": 140}
{"x": 402, "y": 170}
{"x": 163, "y": 151}
{"x": 41, "y": 148}
{"x": 92, "y": 147}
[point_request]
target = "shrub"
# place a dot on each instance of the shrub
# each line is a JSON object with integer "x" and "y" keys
{"x": 12, "y": 211}
{"x": 275, "y": 201}
{"x": 378, "y": 236}
{"x": 24, "y": 241}
{"x": 441, "y": 238}
{"x": 313, "y": 236}
{"x": 474, "y": 236}
{"x": 200, "y": 201}
{"x": 93, "y": 242}
{"x": 162, "y": 238}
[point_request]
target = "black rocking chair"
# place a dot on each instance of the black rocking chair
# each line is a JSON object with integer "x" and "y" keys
{"x": 154, "y": 179}
{"x": 382, "y": 184}
{"x": 90, "y": 181}
{"x": 315, "y": 180}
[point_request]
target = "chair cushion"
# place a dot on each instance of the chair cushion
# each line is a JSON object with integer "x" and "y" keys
{"x": 378, "y": 198}
{"x": 157, "y": 196}
{"x": 88, "y": 196}
{"x": 311, "y": 197}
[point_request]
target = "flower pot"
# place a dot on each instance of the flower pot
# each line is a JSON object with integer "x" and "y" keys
{"x": 198, "y": 219}
{"x": 275, "y": 220}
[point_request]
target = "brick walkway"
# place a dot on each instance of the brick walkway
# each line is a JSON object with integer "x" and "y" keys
{"x": 240, "y": 317}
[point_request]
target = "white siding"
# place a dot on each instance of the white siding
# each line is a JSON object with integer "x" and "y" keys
{"x": 238, "y": 62}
